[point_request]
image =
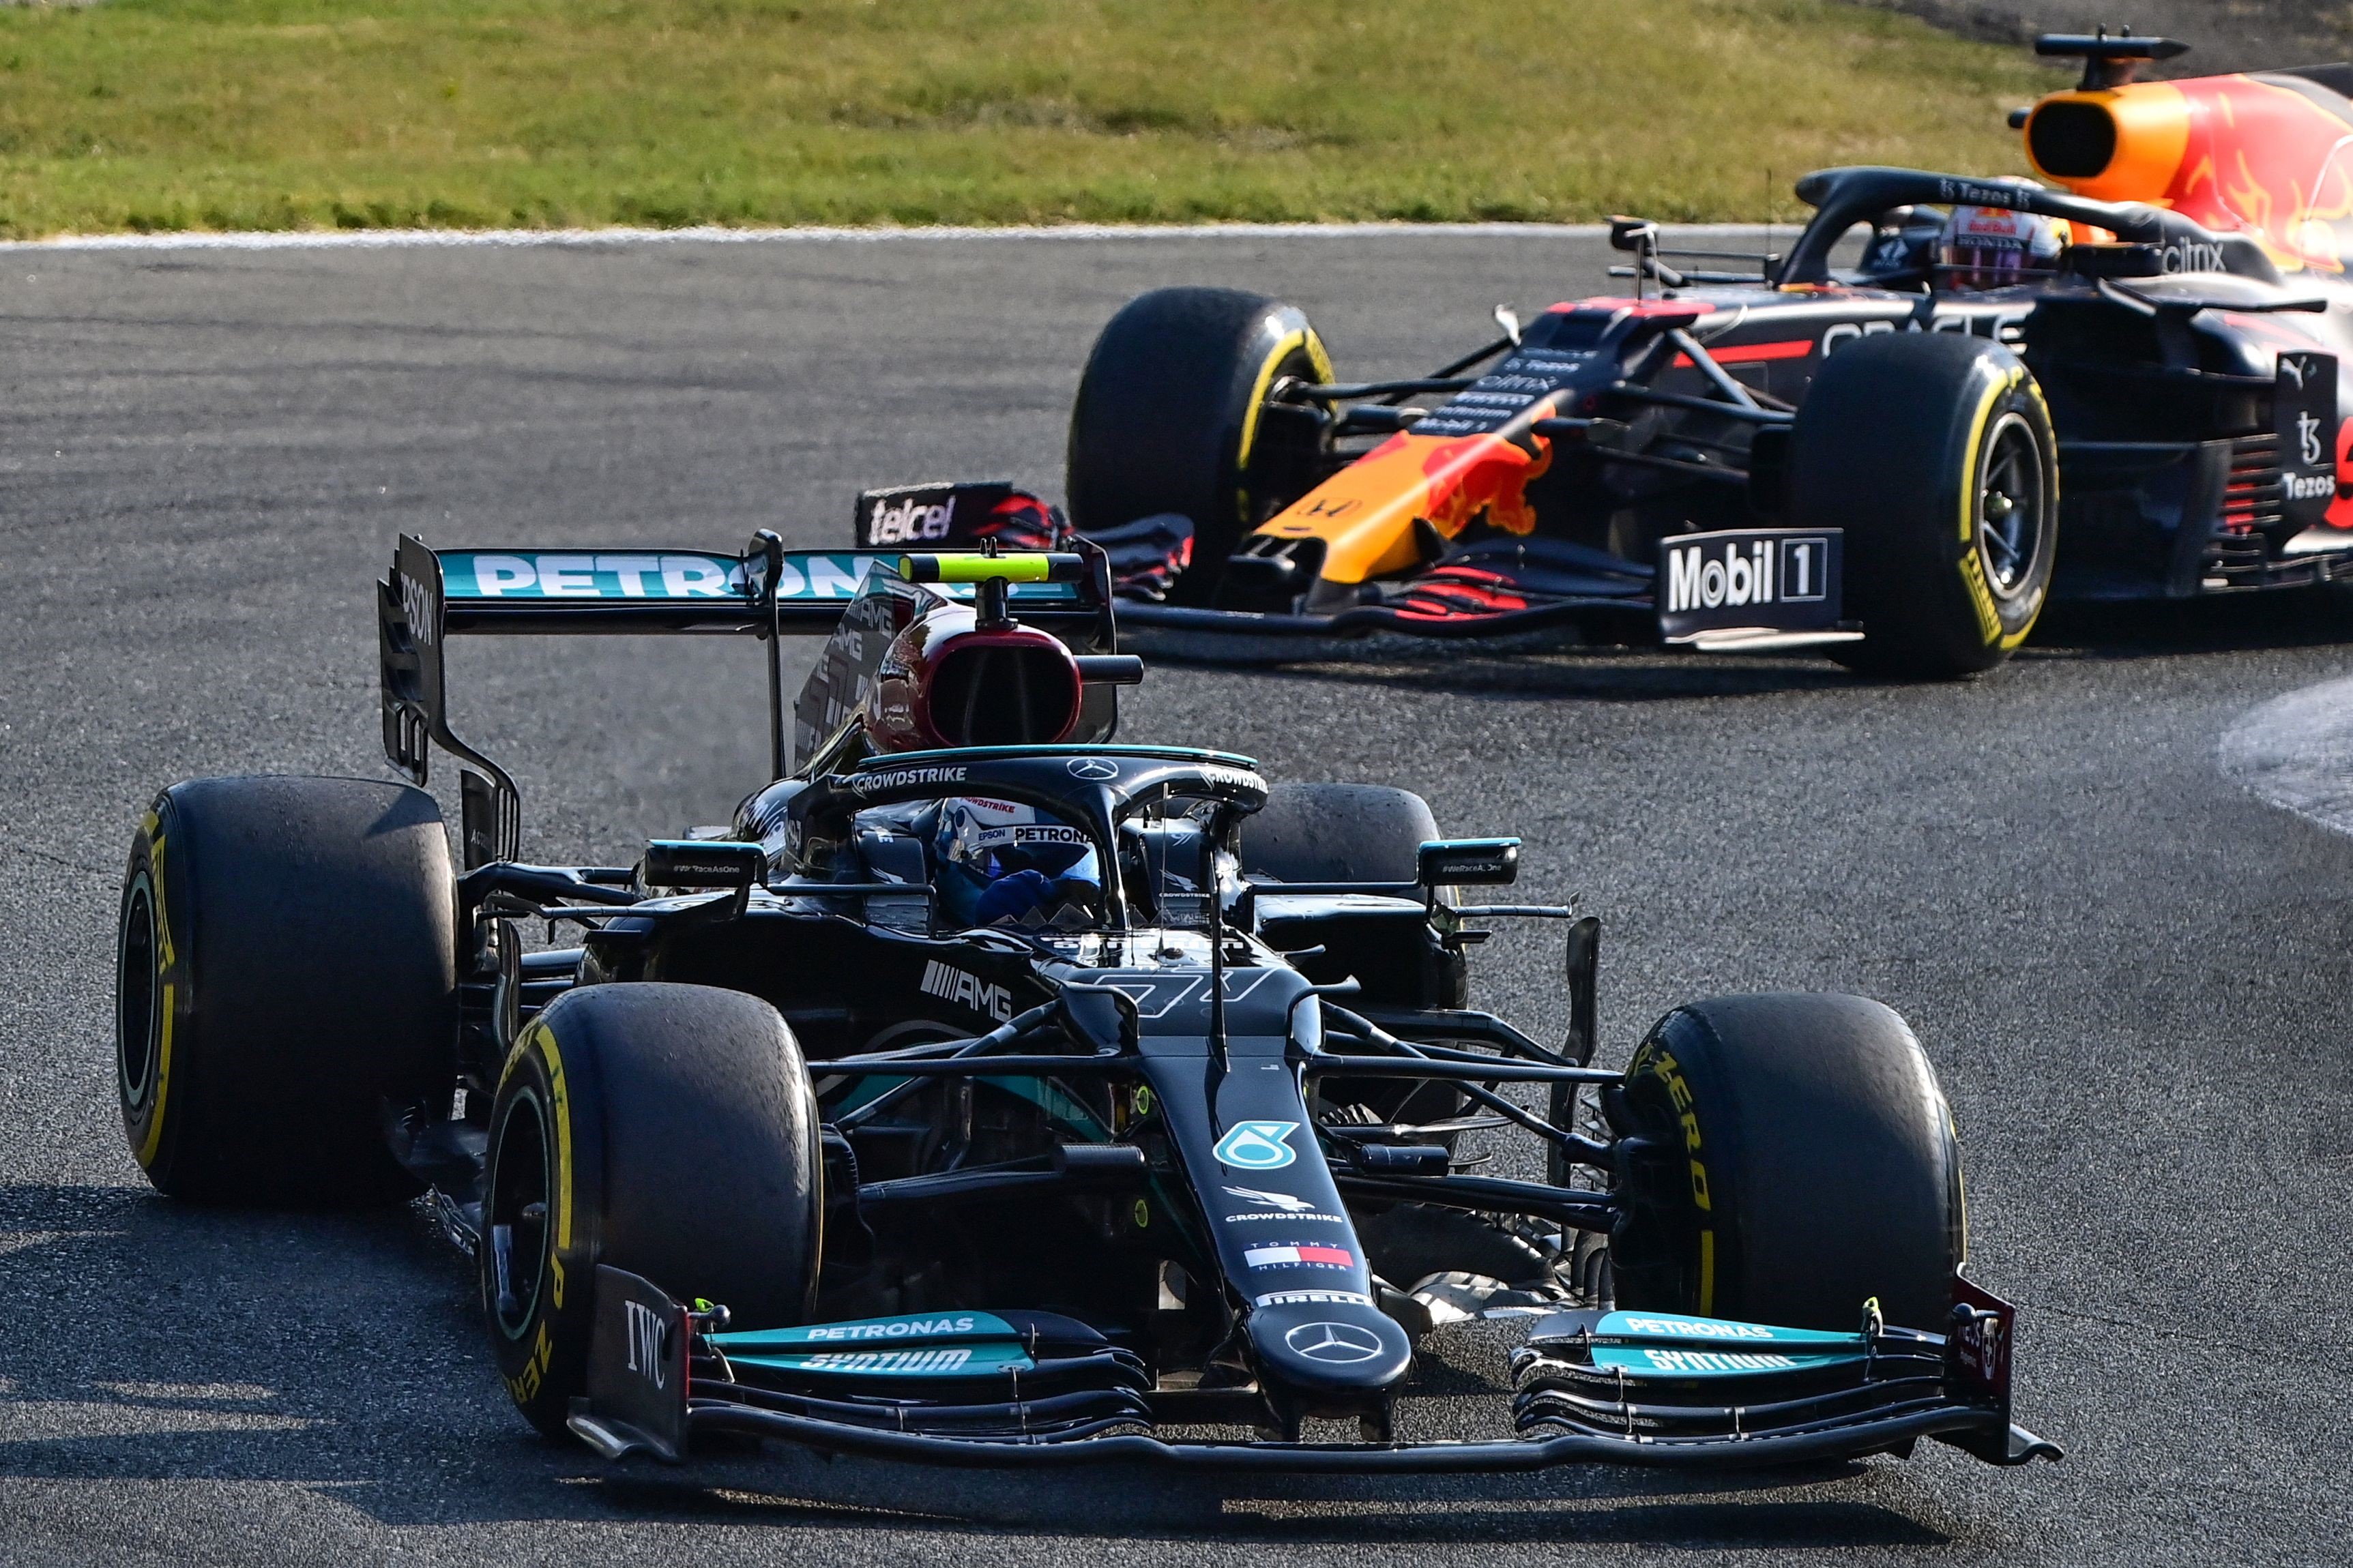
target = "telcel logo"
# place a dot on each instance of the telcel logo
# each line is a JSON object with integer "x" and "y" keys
{"x": 910, "y": 522}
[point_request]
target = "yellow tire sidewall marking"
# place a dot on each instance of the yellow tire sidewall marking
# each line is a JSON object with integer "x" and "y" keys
{"x": 523, "y": 1386}
{"x": 1290, "y": 343}
{"x": 1661, "y": 1064}
{"x": 1972, "y": 570}
{"x": 2034, "y": 390}
{"x": 1981, "y": 599}
{"x": 541, "y": 1041}
{"x": 559, "y": 1095}
{"x": 165, "y": 960}
{"x": 1960, "y": 1184}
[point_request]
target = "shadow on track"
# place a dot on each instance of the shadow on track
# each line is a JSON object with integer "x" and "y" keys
{"x": 341, "y": 1353}
{"x": 1531, "y": 667}
{"x": 1125, "y": 1504}
{"x": 1594, "y": 674}
{"x": 2238, "y": 624}
{"x": 161, "y": 1341}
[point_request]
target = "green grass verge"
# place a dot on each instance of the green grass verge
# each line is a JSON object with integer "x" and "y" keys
{"x": 170, "y": 115}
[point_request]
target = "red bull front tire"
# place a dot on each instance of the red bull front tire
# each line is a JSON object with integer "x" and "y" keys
{"x": 1172, "y": 417}
{"x": 1934, "y": 453}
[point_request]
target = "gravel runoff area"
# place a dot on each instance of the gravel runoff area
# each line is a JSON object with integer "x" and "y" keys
{"x": 2129, "y": 970}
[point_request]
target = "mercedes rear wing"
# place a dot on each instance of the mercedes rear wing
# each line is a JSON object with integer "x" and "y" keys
{"x": 767, "y": 592}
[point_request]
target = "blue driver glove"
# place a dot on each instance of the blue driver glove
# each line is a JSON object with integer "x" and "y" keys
{"x": 1013, "y": 895}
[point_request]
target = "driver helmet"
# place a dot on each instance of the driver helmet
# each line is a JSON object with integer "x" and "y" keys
{"x": 1003, "y": 864}
{"x": 1994, "y": 247}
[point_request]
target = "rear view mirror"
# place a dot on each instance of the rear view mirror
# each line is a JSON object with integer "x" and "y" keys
{"x": 1469, "y": 862}
{"x": 1633, "y": 233}
{"x": 1110, "y": 668}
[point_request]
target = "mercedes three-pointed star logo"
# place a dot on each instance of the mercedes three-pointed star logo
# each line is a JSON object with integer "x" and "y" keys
{"x": 1092, "y": 768}
{"x": 1336, "y": 1344}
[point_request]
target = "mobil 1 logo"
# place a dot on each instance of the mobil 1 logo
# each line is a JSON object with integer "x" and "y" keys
{"x": 2304, "y": 405}
{"x": 1781, "y": 580}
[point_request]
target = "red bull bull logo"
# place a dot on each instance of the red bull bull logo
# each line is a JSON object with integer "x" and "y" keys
{"x": 2270, "y": 158}
{"x": 1476, "y": 475}
{"x": 1365, "y": 513}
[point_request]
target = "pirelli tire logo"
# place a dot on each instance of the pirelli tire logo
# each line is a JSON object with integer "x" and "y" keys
{"x": 1656, "y": 1062}
{"x": 1772, "y": 579}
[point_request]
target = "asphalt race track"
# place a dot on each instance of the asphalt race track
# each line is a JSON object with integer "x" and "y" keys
{"x": 2132, "y": 973}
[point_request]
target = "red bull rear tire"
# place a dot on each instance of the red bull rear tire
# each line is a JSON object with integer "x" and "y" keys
{"x": 1934, "y": 453}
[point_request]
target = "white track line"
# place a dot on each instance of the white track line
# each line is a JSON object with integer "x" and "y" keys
{"x": 434, "y": 239}
{"x": 2296, "y": 751}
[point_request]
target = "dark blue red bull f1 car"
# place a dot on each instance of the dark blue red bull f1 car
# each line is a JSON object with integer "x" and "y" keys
{"x": 2124, "y": 388}
{"x": 989, "y": 1093}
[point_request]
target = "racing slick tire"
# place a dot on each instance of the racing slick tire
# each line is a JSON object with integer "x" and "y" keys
{"x": 285, "y": 970}
{"x": 1337, "y": 833}
{"x": 669, "y": 1131}
{"x": 1935, "y": 452}
{"x": 1793, "y": 1159}
{"x": 1169, "y": 419}
{"x": 1361, "y": 832}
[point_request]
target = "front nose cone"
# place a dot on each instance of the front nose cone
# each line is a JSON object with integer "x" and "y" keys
{"x": 1330, "y": 1354}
